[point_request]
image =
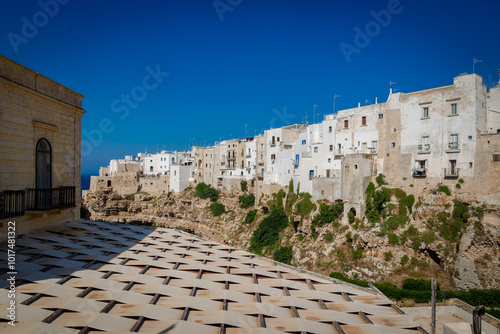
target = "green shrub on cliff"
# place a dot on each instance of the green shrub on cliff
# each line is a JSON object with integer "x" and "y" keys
{"x": 204, "y": 191}
{"x": 217, "y": 209}
{"x": 268, "y": 231}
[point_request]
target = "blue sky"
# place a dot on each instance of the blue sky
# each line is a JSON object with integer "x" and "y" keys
{"x": 169, "y": 74}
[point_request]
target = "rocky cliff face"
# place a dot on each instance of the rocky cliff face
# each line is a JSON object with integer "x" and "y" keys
{"x": 434, "y": 237}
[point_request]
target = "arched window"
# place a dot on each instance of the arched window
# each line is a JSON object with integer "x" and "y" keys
{"x": 43, "y": 164}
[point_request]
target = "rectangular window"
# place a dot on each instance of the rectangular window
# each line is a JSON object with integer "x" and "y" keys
{"x": 496, "y": 157}
{"x": 393, "y": 145}
{"x": 363, "y": 120}
{"x": 454, "y": 141}
{"x": 425, "y": 112}
{"x": 316, "y": 149}
{"x": 425, "y": 144}
{"x": 331, "y": 148}
{"x": 329, "y": 159}
{"x": 364, "y": 147}
{"x": 380, "y": 116}
{"x": 330, "y": 129}
{"x": 303, "y": 142}
{"x": 346, "y": 124}
{"x": 374, "y": 147}
{"x": 454, "y": 109}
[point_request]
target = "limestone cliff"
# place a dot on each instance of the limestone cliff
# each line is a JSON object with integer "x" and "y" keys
{"x": 456, "y": 239}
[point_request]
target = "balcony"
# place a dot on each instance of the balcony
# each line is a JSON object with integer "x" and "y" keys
{"x": 12, "y": 203}
{"x": 339, "y": 152}
{"x": 49, "y": 199}
{"x": 16, "y": 203}
{"x": 451, "y": 173}
{"x": 419, "y": 173}
{"x": 424, "y": 149}
{"x": 453, "y": 147}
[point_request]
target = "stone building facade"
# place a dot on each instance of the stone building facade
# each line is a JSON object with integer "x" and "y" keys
{"x": 40, "y": 131}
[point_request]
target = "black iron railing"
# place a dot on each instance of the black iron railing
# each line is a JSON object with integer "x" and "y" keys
{"x": 16, "y": 202}
{"x": 12, "y": 203}
{"x": 48, "y": 199}
{"x": 451, "y": 173}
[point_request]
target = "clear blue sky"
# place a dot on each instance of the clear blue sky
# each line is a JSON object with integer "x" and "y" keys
{"x": 232, "y": 66}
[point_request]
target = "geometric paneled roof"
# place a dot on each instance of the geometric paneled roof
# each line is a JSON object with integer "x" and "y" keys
{"x": 94, "y": 277}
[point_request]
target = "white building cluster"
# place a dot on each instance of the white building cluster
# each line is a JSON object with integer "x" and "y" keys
{"x": 416, "y": 140}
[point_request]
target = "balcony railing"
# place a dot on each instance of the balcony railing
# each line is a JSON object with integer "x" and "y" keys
{"x": 419, "y": 173}
{"x": 453, "y": 147}
{"x": 49, "y": 199}
{"x": 425, "y": 148}
{"x": 16, "y": 203}
{"x": 451, "y": 173}
{"x": 11, "y": 203}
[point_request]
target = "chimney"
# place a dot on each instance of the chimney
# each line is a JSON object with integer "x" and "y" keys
{"x": 390, "y": 91}
{"x": 376, "y": 102}
{"x": 359, "y": 104}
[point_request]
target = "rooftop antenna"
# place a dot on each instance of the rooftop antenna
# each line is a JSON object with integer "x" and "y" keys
{"x": 366, "y": 101}
{"x": 314, "y": 113}
{"x": 334, "y": 98}
{"x": 246, "y": 131}
{"x": 474, "y": 62}
{"x": 306, "y": 117}
{"x": 390, "y": 86}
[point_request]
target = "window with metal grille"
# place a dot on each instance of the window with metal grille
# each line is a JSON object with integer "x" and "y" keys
{"x": 496, "y": 157}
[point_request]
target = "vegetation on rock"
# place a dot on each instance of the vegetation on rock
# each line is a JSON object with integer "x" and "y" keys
{"x": 204, "y": 191}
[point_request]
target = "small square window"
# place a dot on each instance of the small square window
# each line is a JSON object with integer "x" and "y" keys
{"x": 329, "y": 159}
{"x": 380, "y": 116}
{"x": 355, "y": 166}
{"x": 470, "y": 137}
{"x": 394, "y": 130}
{"x": 393, "y": 144}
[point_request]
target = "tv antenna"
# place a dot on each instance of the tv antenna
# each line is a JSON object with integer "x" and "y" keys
{"x": 474, "y": 62}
